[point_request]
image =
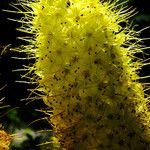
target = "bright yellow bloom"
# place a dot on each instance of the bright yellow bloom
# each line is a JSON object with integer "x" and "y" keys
{"x": 84, "y": 61}
{"x": 5, "y": 140}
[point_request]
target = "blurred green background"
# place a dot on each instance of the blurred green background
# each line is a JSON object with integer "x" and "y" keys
{"x": 19, "y": 115}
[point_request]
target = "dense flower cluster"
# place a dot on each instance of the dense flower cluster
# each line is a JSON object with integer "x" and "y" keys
{"x": 85, "y": 67}
{"x": 5, "y": 140}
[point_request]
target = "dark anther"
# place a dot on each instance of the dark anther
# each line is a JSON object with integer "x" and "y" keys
{"x": 78, "y": 97}
{"x": 74, "y": 59}
{"x": 89, "y": 34}
{"x": 97, "y": 61}
{"x": 68, "y": 3}
{"x": 56, "y": 78}
{"x": 65, "y": 71}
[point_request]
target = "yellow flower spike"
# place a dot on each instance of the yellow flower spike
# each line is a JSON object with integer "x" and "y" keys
{"x": 87, "y": 71}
